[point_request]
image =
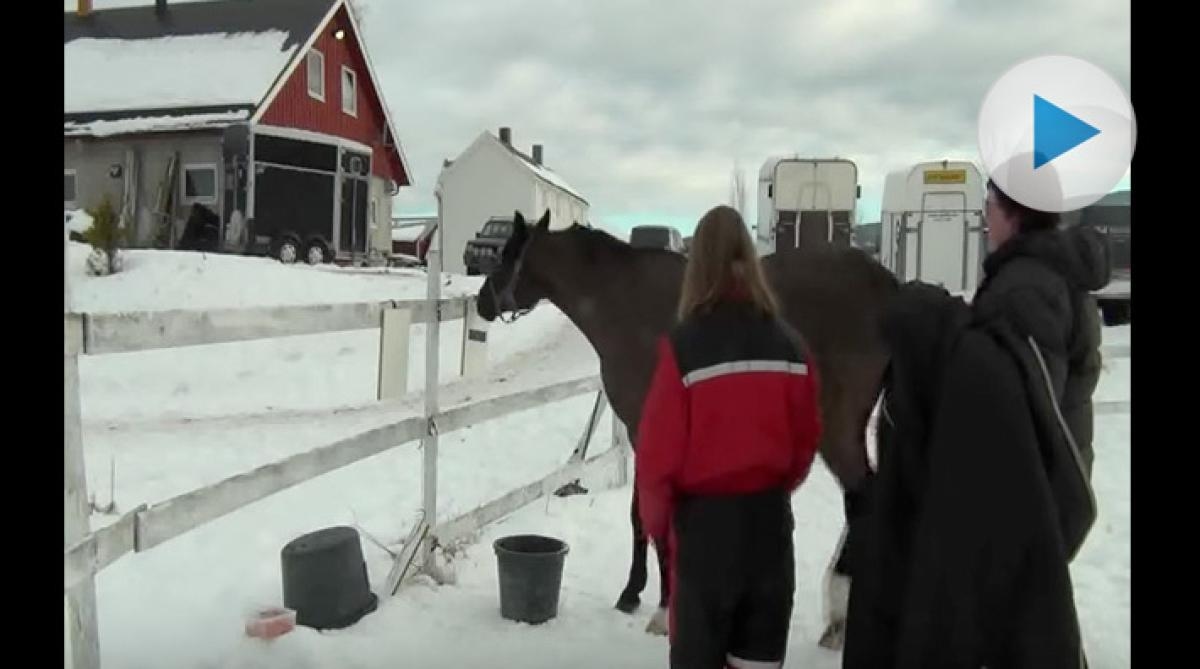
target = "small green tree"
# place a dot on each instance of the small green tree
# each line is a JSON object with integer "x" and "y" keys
{"x": 106, "y": 233}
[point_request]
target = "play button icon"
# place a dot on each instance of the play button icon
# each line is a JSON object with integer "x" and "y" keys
{"x": 1056, "y": 133}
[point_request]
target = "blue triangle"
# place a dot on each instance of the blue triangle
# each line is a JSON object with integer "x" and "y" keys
{"x": 1055, "y": 131}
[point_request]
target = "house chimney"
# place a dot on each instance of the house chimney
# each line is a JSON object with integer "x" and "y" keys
{"x": 160, "y": 7}
{"x": 506, "y": 136}
{"x": 83, "y": 7}
{"x": 537, "y": 153}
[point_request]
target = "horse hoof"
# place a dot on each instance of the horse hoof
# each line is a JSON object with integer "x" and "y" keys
{"x": 628, "y": 604}
{"x": 834, "y": 636}
{"x": 658, "y": 625}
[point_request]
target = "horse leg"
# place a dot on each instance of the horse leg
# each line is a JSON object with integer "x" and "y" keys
{"x": 848, "y": 467}
{"x": 837, "y": 597}
{"x": 837, "y": 574}
{"x": 660, "y": 623}
{"x": 630, "y": 597}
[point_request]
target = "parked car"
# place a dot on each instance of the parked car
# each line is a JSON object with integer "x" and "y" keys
{"x": 657, "y": 237}
{"x": 482, "y": 254}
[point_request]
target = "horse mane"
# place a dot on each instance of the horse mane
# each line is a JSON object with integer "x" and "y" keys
{"x": 598, "y": 241}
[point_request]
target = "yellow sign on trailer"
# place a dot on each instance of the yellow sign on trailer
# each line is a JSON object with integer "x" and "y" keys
{"x": 945, "y": 176}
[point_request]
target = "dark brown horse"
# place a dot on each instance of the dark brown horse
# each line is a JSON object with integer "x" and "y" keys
{"x": 623, "y": 299}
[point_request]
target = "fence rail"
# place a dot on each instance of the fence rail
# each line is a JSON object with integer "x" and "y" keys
{"x": 123, "y": 332}
{"x": 148, "y": 527}
{"x": 87, "y": 552}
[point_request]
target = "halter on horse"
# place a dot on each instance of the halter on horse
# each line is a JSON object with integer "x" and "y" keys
{"x": 505, "y": 300}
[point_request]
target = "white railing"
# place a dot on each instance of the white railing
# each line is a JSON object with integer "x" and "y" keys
{"x": 87, "y": 552}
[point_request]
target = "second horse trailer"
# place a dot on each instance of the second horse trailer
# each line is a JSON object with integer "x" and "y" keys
{"x": 932, "y": 225}
{"x": 806, "y": 201}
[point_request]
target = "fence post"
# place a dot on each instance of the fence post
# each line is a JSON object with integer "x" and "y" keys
{"x": 82, "y": 645}
{"x": 393, "y": 353}
{"x": 429, "y": 442}
{"x": 474, "y": 342}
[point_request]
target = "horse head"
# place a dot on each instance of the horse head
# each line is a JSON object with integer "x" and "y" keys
{"x": 511, "y": 288}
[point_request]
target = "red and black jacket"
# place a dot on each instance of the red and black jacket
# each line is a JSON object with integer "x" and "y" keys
{"x": 732, "y": 409}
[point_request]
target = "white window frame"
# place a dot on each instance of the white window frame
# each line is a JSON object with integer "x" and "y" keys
{"x": 204, "y": 199}
{"x": 353, "y": 110}
{"x": 72, "y": 204}
{"x": 316, "y": 95}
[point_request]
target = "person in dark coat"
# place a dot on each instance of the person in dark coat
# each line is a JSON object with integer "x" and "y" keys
{"x": 963, "y": 562}
{"x": 1038, "y": 280}
{"x": 1035, "y": 299}
{"x": 729, "y": 430}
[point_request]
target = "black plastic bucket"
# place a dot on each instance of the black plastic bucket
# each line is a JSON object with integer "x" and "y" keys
{"x": 325, "y": 579}
{"x": 531, "y": 568}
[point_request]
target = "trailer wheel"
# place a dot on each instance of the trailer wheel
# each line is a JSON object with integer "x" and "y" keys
{"x": 317, "y": 252}
{"x": 286, "y": 249}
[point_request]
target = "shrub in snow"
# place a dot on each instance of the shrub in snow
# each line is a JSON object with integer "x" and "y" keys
{"x": 106, "y": 237}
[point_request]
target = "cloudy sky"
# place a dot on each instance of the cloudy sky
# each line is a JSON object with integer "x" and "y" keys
{"x": 646, "y": 107}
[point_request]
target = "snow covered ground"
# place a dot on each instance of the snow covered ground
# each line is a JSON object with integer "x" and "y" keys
{"x": 178, "y": 419}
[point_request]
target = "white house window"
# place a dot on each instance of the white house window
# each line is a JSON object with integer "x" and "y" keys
{"x": 69, "y": 189}
{"x": 349, "y": 91}
{"x": 200, "y": 184}
{"x": 315, "y": 62}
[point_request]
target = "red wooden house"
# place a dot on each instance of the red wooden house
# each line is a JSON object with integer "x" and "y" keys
{"x": 241, "y": 125}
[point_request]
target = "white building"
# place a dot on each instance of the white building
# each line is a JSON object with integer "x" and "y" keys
{"x": 492, "y": 178}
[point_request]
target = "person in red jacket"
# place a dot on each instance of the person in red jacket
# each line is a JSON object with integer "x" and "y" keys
{"x": 729, "y": 430}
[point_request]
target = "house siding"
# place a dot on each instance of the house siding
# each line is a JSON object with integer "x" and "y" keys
{"x": 293, "y": 107}
{"x": 483, "y": 183}
{"x": 92, "y": 158}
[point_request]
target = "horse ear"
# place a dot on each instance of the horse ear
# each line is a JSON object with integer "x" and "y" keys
{"x": 518, "y": 219}
{"x": 544, "y": 223}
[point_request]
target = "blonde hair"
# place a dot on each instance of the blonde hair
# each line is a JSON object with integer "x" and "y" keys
{"x": 723, "y": 260}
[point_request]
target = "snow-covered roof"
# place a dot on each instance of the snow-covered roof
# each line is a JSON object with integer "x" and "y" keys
{"x": 196, "y": 58}
{"x": 141, "y": 124}
{"x": 170, "y": 72}
{"x": 196, "y": 65}
{"x": 540, "y": 171}
{"x": 554, "y": 179}
{"x": 411, "y": 232}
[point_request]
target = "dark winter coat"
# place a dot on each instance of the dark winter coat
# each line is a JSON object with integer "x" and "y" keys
{"x": 962, "y": 562}
{"x": 1039, "y": 285}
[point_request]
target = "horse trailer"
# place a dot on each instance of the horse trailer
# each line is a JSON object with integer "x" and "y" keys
{"x": 305, "y": 196}
{"x": 932, "y": 224}
{"x": 806, "y": 201}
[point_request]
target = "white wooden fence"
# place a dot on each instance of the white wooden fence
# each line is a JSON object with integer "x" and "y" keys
{"x": 141, "y": 529}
